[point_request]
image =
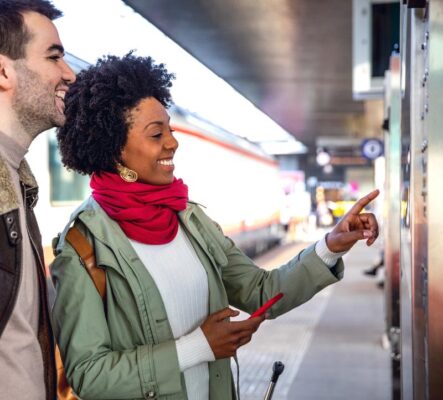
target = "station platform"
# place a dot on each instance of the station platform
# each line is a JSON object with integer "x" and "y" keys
{"x": 331, "y": 346}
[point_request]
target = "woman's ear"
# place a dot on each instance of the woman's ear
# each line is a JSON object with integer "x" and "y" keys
{"x": 7, "y": 73}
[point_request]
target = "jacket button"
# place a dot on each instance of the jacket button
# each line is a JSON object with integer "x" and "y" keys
{"x": 14, "y": 235}
{"x": 9, "y": 220}
{"x": 150, "y": 395}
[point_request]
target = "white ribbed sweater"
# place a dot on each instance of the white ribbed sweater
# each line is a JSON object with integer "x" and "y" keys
{"x": 183, "y": 285}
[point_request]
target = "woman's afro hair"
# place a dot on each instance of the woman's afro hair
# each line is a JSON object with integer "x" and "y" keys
{"x": 97, "y": 107}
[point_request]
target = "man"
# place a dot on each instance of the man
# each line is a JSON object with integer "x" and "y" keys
{"x": 33, "y": 81}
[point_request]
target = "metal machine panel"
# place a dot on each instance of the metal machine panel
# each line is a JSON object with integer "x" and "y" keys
{"x": 434, "y": 198}
{"x": 418, "y": 216}
{"x": 413, "y": 262}
{"x": 392, "y": 226}
{"x": 418, "y": 224}
{"x": 405, "y": 217}
{"x": 421, "y": 290}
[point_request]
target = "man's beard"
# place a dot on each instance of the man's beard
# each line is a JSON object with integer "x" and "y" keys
{"x": 34, "y": 102}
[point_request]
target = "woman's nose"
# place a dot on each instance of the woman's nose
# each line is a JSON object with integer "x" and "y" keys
{"x": 171, "y": 142}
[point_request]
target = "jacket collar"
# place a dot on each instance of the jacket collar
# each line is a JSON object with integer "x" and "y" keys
{"x": 8, "y": 196}
{"x": 192, "y": 219}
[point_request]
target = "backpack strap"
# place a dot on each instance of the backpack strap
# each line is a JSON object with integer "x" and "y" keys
{"x": 86, "y": 253}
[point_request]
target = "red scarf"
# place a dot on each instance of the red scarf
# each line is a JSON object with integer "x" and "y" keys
{"x": 146, "y": 213}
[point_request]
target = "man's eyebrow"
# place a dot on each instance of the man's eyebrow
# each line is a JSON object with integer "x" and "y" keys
{"x": 57, "y": 47}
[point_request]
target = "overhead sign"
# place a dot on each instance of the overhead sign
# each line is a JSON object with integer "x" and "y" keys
{"x": 372, "y": 148}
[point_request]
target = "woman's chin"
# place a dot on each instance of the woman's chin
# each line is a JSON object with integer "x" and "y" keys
{"x": 157, "y": 182}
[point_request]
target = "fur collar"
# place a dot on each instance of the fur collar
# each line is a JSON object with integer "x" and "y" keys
{"x": 8, "y": 196}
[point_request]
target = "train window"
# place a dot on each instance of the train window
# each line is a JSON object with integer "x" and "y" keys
{"x": 65, "y": 186}
{"x": 385, "y": 35}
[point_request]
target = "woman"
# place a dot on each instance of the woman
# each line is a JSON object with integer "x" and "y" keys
{"x": 164, "y": 331}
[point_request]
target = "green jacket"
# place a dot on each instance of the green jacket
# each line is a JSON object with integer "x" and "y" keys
{"x": 126, "y": 349}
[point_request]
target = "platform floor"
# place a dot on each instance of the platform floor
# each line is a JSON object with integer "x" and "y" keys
{"x": 331, "y": 346}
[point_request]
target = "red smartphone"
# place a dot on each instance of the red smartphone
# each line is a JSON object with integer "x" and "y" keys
{"x": 266, "y": 306}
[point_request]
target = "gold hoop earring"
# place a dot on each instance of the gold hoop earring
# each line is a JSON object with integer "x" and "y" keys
{"x": 128, "y": 175}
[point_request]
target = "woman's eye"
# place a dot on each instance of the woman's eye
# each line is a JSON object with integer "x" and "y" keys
{"x": 55, "y": 58}
{"x": 157, "y": 135}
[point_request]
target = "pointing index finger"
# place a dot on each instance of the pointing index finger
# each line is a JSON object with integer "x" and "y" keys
{"x": 363, "y": 202}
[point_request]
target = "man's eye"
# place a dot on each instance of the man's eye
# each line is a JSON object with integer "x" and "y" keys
{"x": 157, "y": 135}
{"x": 55, "y": 57}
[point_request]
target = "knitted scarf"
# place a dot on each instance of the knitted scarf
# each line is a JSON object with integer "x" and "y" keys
{"x": 146, "y": 213}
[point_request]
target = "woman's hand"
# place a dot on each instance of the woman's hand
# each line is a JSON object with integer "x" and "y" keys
{"x": 224, "y": 336}
{"x": 354, "y": 227}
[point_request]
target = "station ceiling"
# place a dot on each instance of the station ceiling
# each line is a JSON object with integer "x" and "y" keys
{"x": 291, "y": 58}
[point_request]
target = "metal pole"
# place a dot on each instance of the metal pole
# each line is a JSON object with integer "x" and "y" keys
{"x": 277, "y": 369}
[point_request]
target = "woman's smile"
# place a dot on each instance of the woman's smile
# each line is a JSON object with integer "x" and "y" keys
{"x": 167, "y": 163}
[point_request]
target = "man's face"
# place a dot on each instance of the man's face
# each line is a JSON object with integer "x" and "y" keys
{"x": 42, "y": 78}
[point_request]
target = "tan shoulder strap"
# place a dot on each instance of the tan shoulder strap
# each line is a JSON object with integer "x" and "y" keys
{"x": 84, "y": 249}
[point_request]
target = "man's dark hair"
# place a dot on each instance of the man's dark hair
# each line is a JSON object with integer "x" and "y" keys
{"x": 13, "y": 33}
{"x": 98, "y": 106}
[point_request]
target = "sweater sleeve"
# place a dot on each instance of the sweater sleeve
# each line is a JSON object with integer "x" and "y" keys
{"x": 327, "y": 256}
{"x": 193, "y": 349}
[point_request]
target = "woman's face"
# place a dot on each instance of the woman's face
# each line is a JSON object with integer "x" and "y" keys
{"x": 150, "y": 146}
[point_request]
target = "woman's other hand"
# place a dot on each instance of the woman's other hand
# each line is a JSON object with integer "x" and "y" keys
{"x": 225, "y": 336}
{"x": 354, "y": 227}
